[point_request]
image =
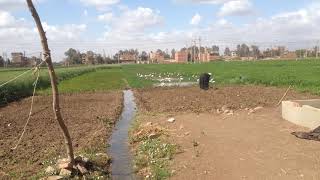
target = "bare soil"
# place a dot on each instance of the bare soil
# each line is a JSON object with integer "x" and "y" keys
{"x": 192, "y": 99}
{"x": 89, "y": 117}
{"x": 231, "y": 147}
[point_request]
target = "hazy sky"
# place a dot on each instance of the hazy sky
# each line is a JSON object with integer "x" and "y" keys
{"x": 111, "y": 25}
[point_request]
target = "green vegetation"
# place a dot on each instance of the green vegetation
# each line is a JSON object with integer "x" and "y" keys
{"x": 155, "y": 154}
{"x": 99, "y": 80}
{"x": 152, "y": 153}
{"x": 23, "y": 87}
{"x": 303, "y": 75}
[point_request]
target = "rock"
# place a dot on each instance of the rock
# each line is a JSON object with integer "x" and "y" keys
{"x": 148, "y": 124}
{"x": 153, "y": 136}
{"x": 224, "y": 108}
{"x": 171, "y": 120}
{"x": 102, "y": 154}
{"x": 65, "y": 173}
{"x": 50, "y": 170}
{"x": 230, "y": 113}
{"x": 85, "y": 159}
{"x": 64, "y": 165}
{"x": 258, "y": 108}
{"x": 219, "y": 111}
{"x": 54, "y": 178}
{"x": 251, "y": 111}
{"x": 78, "y": 159}
{"x": 82, "y": 169}
{"x": 226, "y": 111}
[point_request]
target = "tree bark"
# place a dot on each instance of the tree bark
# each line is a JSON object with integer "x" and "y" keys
{"x": 53, "y": 77}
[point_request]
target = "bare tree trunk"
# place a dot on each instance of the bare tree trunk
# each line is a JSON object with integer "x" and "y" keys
{"x": 53, "y": 77}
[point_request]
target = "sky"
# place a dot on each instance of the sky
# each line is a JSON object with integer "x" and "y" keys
{"x": 110, "y": 25}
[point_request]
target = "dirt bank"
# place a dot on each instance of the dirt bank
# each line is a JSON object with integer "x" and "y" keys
{"x": 90, "y": 118}
{"x": 243, "y": 145}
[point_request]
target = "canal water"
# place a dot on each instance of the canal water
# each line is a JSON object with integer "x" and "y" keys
{"x": 121, "y": 167}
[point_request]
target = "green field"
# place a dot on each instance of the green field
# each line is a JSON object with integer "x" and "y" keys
{"x": 99, "y": 80}
{"x": 23, "y": 86}
{"x": 302, "y": 75}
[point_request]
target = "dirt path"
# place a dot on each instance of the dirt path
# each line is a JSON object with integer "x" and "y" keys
{"x": 90, "y": 118}
{"x": 232, "y": 147}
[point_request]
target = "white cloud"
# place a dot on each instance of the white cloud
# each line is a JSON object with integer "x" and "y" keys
{"x": 196, "y": 19}
{"x": 21, "y": 35}
{"x": 100, "y": 3}
{"x": 236, "y": 8}
{"x": 132, "y": 23}
{"x": 6, "y": 19}
{"x": 12, "y": 4}
{"x": 65, "y": 32}
{"x": 203, "y": 1}
{"x": 107, "y": 17}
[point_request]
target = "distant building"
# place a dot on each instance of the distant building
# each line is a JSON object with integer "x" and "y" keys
{"x": 289, "y": 55}
{"x": 88, "y": 58}
{"x": 207, "y": 57}
{"x": 234, "y": 54}
{"x": 282, "y": 50}
{"x": 128, "y": 58}
{"x": 181, "y": 56}
{"x": 18, "y": 59}
{"x": 33, "y": 61}
{"x": 157, "y": 57}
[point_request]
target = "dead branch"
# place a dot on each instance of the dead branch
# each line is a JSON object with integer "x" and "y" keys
{"x": 53, "y": 78}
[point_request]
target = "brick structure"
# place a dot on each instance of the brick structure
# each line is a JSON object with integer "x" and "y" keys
{"x": 18, "y": 59}
{"x": 128, "y": 58}
{"x": 157, "y": 57}
{"x": 181, "y": 56}
{"x": 88, "y": 58}
{"x": 289, "y": 55}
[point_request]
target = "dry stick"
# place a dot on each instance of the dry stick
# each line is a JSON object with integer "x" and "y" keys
{"x": 31, "y": 109}
{"x": 285, "y": 94}
{"x": 53, "y": 78}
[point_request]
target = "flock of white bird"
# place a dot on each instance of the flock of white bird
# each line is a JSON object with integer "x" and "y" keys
{"x": 171, "y": 77}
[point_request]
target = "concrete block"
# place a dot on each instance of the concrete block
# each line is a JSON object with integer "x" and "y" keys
{"x": 305, "y": 113}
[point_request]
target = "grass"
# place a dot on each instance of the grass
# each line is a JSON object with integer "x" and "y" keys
{"x": 151, "y": 155}
{"x": 302, "y": 75}
{"x": 23, "y": 87}
{"x": 99, "y": 80}
{"x": 155, "y": 154}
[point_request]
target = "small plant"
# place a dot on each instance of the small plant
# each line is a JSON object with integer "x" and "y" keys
{"x": 155, "y": 154}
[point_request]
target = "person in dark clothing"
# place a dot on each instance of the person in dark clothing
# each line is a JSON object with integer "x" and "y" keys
{"x": 204, "y": 81}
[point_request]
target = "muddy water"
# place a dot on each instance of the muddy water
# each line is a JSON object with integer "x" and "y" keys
{"x": 119, "y": 150}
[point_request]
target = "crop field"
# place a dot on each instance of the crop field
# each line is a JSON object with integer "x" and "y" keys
{"x": 302, "y": 75}
{"x": 23, "y": 87}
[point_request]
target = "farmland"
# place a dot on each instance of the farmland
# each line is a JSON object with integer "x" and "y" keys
{"x": 92, "y": 102}
{"x": 302, "y": 75}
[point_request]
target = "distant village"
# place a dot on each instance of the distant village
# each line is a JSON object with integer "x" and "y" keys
{"x": 185, "y": 55}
